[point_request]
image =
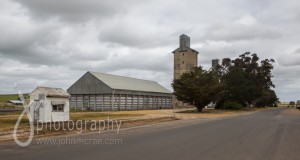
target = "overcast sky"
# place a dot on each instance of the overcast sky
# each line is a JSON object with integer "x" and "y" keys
{"x": 54, "y": 42}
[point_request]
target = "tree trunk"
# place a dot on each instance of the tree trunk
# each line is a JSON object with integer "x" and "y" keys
{"x": 247, "y": 104}
{"x": 199, "y": 109}
{"x": 254, "y": 103}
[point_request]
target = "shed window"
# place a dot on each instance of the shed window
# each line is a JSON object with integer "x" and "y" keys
{"x": 58, "y": 108}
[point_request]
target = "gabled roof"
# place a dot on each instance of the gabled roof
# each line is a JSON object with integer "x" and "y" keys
{"x": 127, "y": 83}
{"x": 53, "y": 92}
{"x": 185, "y": 49}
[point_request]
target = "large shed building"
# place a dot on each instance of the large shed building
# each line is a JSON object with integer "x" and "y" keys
{"x": 99, "y": 91}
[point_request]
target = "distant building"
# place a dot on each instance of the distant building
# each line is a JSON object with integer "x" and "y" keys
{"x": 49, "y": 104}
{"x": 185, "y": 58}
{"x": 15, "y": 102}
{"x": 214, "y": 63}
{"x": 99, "y": 91}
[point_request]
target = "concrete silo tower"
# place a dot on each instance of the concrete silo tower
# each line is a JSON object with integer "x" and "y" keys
{"x": 185, "y": 58}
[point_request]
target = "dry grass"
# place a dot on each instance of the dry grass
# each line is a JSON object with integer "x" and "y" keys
{"x": 24, "y": 129}
{"x": 292, "y": 111}
{"x": 2, "y": 114}
{"x": 5, "y": 98}
{"x": 6, "y": 105}
{"x": 9, "y": 119}
{"x": 214, "y": 113}
{"x": 283, "y": 104}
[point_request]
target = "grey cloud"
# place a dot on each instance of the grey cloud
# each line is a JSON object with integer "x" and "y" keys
{"x": 19, "y": 33}
{"x": 134, "y": 59}
{"x": 138, "y": 35}
{"x": 239, "y": 32}
{"x": 73, "y": 10}
{"x": 209, "y": 52}
{"x": 297, "y": 51}
{"x": 136, "y": 38}
{"x": 41, "y": 55}
{"x": 28, "y": 77}
{"x": 290, "y": 59}
{"x": 49, "y": 43}
{"x": 286, "y": 72}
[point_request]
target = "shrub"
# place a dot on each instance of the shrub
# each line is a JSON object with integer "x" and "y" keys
{"x": 232, "y": 105}
{"x": 275, "y": 105}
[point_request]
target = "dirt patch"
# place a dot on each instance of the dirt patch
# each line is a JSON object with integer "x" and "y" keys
{"x": 292, "y": 111}
{"x": 24, "y": 130}
{"x": 8, "y": 121}
{"x": 209, "y": 113}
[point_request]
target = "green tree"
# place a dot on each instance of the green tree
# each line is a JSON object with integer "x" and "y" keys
{"x": 197, "y": 87}
{"x": 239, "y": 87}
{"x": 245, "y": 78}
{"x": 268, "y": 98}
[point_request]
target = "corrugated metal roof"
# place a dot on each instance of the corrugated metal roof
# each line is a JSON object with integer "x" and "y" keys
{"x": 53, "y": 92}
{"x": 127, "y": 83}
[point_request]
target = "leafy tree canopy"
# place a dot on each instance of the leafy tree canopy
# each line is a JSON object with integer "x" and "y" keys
{"x": 197, "y": 87}
{"x": 245, "y": 80}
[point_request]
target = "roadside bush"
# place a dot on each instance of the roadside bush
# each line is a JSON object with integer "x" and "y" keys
{"x": 232, "y": 105}
{"x": 219, "y": 105}
{"x": 273, "y": 105}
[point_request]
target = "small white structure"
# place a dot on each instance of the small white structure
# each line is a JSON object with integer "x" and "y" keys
{"x": 49, "y": 104}
{"x": 15, "y": 102}
{"x": 211, "y": 105}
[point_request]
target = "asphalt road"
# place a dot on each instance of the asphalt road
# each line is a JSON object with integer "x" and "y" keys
{"x": 270, "y": 134}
